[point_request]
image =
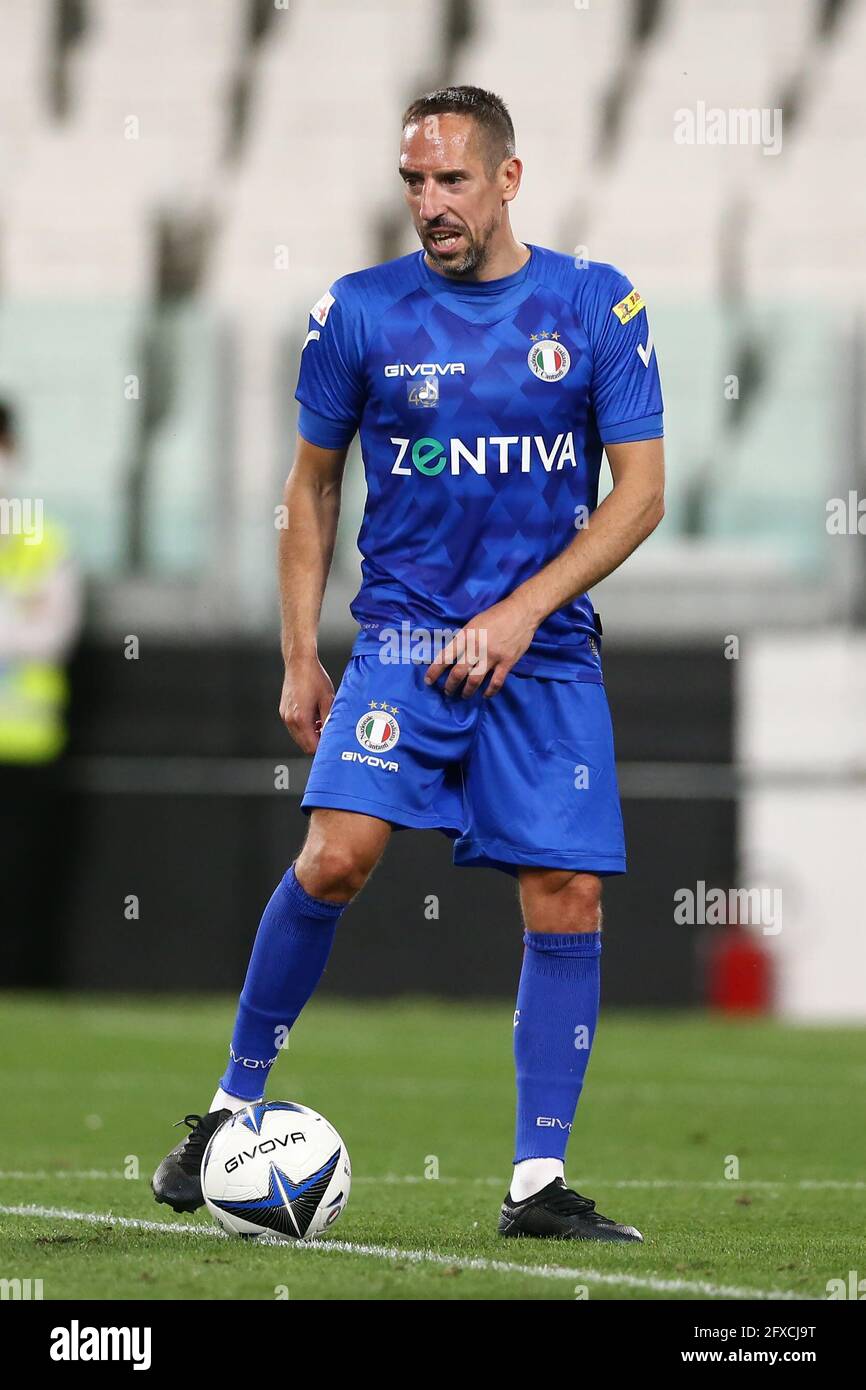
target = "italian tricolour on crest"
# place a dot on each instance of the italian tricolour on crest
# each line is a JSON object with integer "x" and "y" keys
{"x": 378, "y": 730}
{"x": 548, "y": 360}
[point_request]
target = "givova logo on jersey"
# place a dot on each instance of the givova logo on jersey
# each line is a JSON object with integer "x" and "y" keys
{"x": 494, "y": 454}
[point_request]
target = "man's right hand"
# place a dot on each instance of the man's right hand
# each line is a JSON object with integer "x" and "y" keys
{"x": 306, "y": 701}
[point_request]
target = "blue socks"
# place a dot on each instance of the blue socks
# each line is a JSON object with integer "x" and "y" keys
{"x": 555, "y": 1021}
{"x": 554, "y": 1025}
{"x": 291, "y": 950}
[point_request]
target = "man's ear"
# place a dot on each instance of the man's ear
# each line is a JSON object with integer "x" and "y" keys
{"x": 512, "y": 173}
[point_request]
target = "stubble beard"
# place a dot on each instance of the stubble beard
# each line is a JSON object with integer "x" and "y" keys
{"x": 471, "y": 262}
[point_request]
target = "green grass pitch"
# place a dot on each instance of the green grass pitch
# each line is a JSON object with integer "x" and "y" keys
{"x": 422, "y": 1094}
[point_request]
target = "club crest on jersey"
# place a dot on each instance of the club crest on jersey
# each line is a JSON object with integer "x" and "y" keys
{"x": 378, "y": 730}
{"x": 548, "y": 359}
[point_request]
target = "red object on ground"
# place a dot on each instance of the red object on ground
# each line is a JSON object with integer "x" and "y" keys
{"x": 739, "y": 976}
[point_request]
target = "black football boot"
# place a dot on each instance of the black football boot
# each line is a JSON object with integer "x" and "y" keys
{"x": 177, "y": 1180}
{"x": 558, "y": 1213}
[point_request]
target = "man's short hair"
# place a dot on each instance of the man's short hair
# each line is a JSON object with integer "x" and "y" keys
{"x": 487, "y": 110}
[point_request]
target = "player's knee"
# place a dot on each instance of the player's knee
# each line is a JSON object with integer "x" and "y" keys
{"x": 560, "y": 901}
{"x": 580, "y": 901}
{"x": 332, "y": 870}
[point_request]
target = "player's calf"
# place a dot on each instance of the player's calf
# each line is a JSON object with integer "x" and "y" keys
{"x": 554, "y": 1027}
{"x": 291, "y": 949}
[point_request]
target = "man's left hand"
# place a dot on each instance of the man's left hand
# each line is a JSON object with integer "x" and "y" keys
{"x": 492, "y": 642}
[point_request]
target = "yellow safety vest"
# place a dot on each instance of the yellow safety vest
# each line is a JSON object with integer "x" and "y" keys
{"x": 33, "y": 694}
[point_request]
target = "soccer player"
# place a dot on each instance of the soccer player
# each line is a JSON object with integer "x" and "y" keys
{"x": 485, "y": 376}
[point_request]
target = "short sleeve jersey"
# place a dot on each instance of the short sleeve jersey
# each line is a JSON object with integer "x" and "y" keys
{"x": 483, "y": 408}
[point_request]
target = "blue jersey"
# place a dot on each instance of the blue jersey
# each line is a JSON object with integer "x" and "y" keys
{"x": 482, "y": 408}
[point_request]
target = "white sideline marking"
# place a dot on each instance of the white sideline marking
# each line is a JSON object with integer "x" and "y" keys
{"x": 99, "y": 1218}
{"x": 42, "y": 1174}
{"x": 393, "y": 1252}
{"x": 799, "y": 1184}
{"x": 392, "y": 1179}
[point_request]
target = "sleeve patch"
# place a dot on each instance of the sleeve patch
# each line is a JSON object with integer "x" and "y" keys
{"x": 628, "y": 307}
{"x": 322, "y": 308}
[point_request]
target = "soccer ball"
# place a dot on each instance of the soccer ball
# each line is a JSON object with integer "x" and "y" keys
{"x": 276, "y": 1169}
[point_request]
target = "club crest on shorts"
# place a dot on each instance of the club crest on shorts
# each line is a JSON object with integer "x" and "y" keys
{"x": 378, "y": 730}
{"x": 548, "y": 359}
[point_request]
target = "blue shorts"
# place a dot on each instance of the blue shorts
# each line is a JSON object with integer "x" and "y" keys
{"x": 526, "y": 777}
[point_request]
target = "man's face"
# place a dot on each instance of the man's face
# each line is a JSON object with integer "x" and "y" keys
{"x": 456, "y": 203}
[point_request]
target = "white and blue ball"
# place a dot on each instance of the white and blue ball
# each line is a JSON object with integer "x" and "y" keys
{"x": 276, "y": 1169}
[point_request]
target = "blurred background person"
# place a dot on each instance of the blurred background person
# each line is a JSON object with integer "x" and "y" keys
{"x": 40, "y": 618}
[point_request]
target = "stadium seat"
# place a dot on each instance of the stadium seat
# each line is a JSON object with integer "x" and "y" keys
{"x": 188, "y": 480}
{"x": 776, "y": 473}
{"x": 64, "y": 365}
{"x": 24, "y": 47}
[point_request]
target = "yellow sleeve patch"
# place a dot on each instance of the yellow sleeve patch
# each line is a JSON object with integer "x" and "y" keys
{"x": 628, "y": 307}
